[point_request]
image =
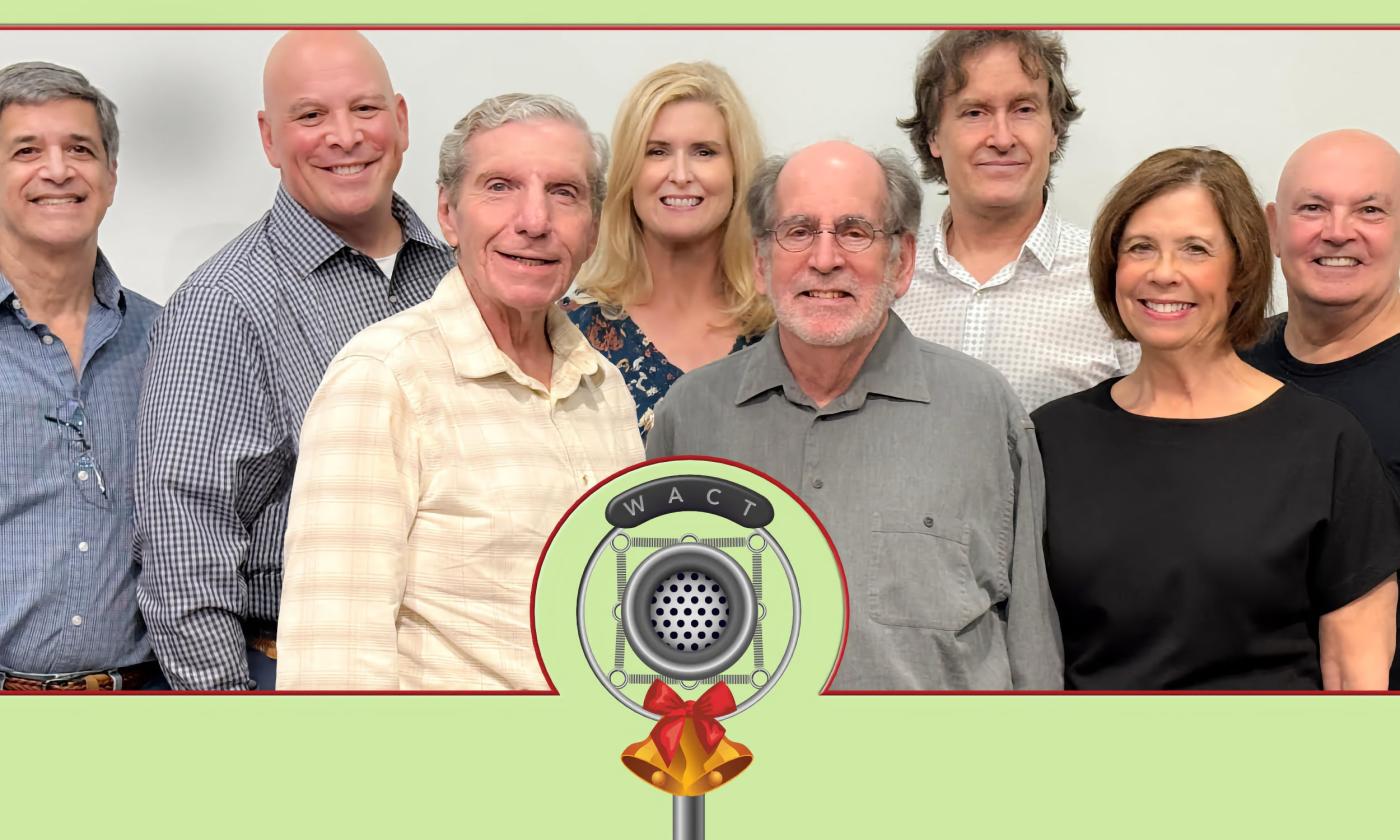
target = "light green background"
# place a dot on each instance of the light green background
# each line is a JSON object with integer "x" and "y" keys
{"x": 1061, "y": 766}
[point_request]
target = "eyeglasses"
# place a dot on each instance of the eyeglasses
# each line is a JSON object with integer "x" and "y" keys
{"x": 853, "y": 234}
{"x": 71, "y": 416}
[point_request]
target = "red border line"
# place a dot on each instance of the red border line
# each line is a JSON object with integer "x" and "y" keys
{"x": 705, "y": 27}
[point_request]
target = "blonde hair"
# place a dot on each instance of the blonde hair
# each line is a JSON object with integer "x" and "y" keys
{"x": 618, "y": 273}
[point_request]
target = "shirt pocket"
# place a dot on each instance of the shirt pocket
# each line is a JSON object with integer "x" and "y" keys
{"x": 921, "y": 574}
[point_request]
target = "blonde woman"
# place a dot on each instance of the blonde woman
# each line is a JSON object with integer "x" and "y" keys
{"x": 671, "y": 286}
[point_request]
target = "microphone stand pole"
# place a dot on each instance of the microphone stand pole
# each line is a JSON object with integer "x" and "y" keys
{"x": 688, "y": 818}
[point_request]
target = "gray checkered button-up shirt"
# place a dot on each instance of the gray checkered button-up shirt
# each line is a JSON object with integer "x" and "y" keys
{"x": 235, "y": 359}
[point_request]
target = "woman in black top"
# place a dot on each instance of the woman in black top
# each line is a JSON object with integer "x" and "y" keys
{"x": 1208, "y": 527}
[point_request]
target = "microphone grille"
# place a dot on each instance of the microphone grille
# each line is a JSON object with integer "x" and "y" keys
{"x": 689, "y": 611}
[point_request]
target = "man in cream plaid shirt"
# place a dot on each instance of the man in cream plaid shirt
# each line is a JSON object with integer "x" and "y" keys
{"x": 446, "y": 442}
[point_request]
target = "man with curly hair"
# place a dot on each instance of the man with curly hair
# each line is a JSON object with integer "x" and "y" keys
{"x": 1001, "y": 276}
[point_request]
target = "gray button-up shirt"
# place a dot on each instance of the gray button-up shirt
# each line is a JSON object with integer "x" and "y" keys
{"x": 926, "y": 474}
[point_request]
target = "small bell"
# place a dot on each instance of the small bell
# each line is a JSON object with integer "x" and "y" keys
{"x": 693, "y": 771}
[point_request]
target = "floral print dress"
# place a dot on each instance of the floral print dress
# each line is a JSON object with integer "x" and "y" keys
{"x": 648, "y": 373}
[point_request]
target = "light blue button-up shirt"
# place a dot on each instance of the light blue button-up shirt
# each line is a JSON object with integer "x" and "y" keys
{"x": 67, "y": 450}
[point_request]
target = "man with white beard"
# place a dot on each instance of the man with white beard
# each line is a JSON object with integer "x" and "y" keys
{"x": 919, "y": 461}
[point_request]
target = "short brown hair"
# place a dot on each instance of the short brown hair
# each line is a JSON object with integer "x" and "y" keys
{"x": 941, "y": 74}
{"x": 1240, "y": 212}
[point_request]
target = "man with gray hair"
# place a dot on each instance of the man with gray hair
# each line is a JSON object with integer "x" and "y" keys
{"x": 242, "y": 344}
{"x": 919, "y": 461}
{"x": 446, "y": 442}
{"x": 1002, "y": 277}
{"x": 72, "y": 345}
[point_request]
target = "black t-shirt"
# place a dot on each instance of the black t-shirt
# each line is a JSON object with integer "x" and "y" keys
{"x": 1367, "y": 385}
{"x": 1200, "y": 554}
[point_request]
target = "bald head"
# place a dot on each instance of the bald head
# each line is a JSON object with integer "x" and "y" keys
{"x": 1344, "y": 153}
{"x": 885, "y": 172}
{"x": 1335, "y": 224}
{"x": 833, "y": 160}
{"x": 332, "y": 124}
{"x": 307, "y": 53}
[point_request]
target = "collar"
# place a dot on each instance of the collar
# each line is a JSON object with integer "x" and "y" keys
{"x": 1043, "y": 241}
{"x": 893, "y": 369}
{"x": 106, "y": 288}
{"x": 308, "y": 243}
{"x": 474, "y": 354}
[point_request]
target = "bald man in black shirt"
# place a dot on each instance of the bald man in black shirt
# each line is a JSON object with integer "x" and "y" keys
{"x": 1335, "y": 226}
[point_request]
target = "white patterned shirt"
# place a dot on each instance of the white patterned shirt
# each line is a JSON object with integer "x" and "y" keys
{"x": 432, "y": 471}
{"x": 1035, "y": 320}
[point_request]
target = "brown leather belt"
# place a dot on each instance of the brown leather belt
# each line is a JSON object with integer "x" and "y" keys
{"x": 117, "y": 679}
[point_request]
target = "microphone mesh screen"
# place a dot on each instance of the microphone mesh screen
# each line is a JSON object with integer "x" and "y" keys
{"x": 689, "y": 611}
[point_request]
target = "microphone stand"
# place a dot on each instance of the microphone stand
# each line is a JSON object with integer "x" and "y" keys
{"x": 688, "y": 818}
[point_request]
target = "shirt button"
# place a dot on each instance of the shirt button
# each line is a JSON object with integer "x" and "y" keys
{"x": 77, "y": 621}
{"x": 82, "y": 475}
{"x": 83, "y": 547}
{"x": 393, "y": 298}
{"x": 928, "y": 521}
{"x": 15, "y": 304}
{"x": 48, "y": 339}
{"x": 817, "y": 483}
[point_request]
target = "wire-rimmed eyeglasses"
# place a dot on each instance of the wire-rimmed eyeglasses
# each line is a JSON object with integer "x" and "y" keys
{"x": 70, "y": 415}
{"x": 853, "y": 234}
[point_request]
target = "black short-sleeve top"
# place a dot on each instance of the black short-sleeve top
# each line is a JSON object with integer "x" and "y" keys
{"x": 1200, "y": 554}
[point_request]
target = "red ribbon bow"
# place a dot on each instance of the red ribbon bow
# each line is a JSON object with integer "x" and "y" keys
{"x": 661, "y": 699}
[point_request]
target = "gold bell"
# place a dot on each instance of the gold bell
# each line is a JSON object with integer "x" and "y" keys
{"x": 693, "y": 771}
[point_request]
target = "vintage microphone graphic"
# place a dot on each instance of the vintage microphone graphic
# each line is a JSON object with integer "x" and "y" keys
{"x": 684, "y": 611}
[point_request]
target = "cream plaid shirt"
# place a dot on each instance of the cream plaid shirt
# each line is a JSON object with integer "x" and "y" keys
{"x": 432, "y": 469}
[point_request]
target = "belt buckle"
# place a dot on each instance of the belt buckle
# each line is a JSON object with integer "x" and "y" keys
{"x": 48, "y": 682}
{"x": 51, "y": 680}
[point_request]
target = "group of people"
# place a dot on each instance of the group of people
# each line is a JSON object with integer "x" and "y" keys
{"x": 332, "y": 460}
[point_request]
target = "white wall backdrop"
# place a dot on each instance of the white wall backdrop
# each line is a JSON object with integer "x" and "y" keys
{"x": 192, "y": 173}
